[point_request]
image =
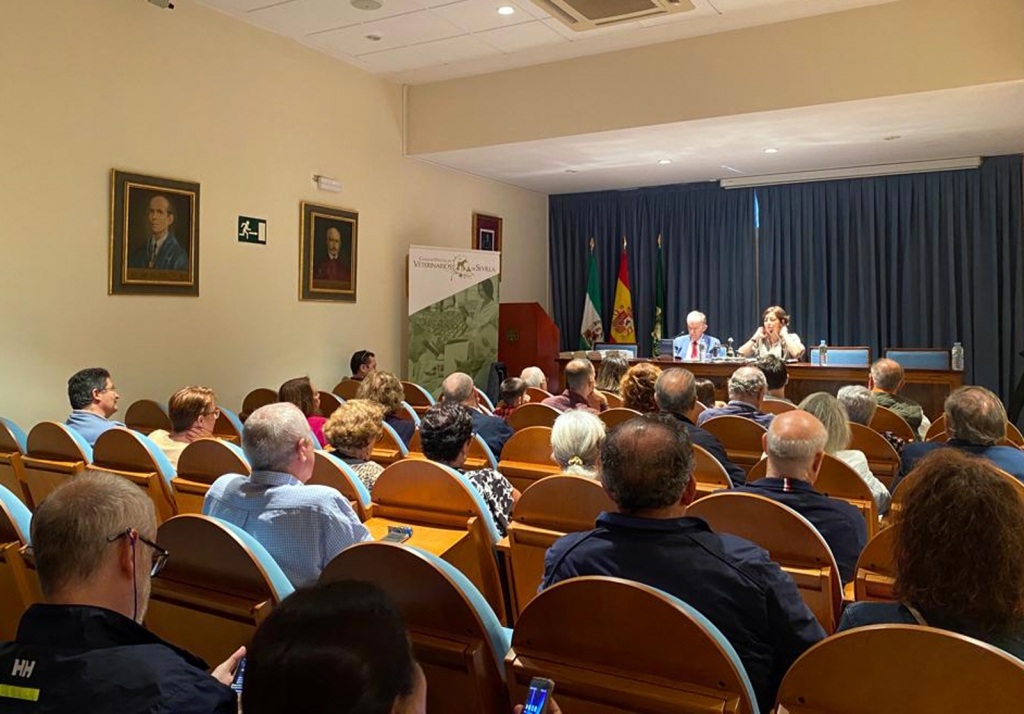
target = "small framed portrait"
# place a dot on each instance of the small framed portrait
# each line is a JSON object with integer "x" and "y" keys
{"x": 486, "y": 232}
{"x": 154, "y": 235}
{"x": 327, "y": 253}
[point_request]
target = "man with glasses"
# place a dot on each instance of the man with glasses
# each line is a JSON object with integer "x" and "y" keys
{"x": 84, "y": 648}
{"x": 193, "y": 412}
{"x": 93, "y": 400}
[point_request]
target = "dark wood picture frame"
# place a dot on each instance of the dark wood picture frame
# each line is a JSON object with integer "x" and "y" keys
{"x": 141, "y": 262}
{"x": 486, "y": 232}
{"x": 327, "y": 273}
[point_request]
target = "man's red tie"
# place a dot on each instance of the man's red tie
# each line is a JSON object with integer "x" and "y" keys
{"x": 693, "y": 351}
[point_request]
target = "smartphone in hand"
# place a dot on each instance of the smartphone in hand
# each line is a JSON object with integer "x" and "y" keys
{"x": 539, "y": 695}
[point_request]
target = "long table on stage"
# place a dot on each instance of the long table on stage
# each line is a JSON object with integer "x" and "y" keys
{"x": 927, "y": 387}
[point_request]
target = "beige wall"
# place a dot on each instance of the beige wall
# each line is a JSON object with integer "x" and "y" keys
{"x": 883, "y": 50}
{"x": 194, "y": 94}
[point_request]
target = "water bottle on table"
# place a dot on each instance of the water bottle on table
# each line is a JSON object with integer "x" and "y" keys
{"x": 823, "y": 354}
{"x": 957, "y": 357}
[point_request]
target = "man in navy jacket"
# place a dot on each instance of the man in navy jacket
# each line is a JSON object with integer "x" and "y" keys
{"x": 458, "y": 388}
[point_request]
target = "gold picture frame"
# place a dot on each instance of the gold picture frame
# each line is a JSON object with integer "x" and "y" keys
{"x": 328, "y": 251}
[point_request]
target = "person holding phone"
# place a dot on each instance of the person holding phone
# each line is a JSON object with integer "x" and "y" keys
{"x": 773, "y": 337}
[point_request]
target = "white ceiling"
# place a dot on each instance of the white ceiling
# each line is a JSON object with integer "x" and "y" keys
{"x": 430, "y": 40}
{"x": 983, "y": 120}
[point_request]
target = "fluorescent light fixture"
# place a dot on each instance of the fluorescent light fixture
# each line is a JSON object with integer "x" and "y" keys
{"x": 913, "y": 167}
{"x": 506, "y": 10}
{"x": 771, "y": 151}
{"x": 663, "y": 162}
{"x": 326, "y": 183}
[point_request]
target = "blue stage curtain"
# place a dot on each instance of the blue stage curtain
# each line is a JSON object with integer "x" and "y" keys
{"x": 708, "y": 240}
{"x": 915, "y": 260}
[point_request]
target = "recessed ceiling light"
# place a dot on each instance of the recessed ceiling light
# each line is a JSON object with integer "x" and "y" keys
{"x": 894, "y": 137}
{"x": 570, "y": 171}
{"x": 374, "y": 37}
{"x": 664, "y": 161}
{"x": 771, "y": 151}
{"x": 506, "y": 10}
{"x": 367, "y": 4}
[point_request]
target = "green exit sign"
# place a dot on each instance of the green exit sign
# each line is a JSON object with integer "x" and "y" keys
{"x": 252, "y": 230}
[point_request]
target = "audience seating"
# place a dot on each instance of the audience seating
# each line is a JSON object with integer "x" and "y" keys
{"x": 942, "y": 437}
{"x": 613, "y": 399}
{"x": 532, "y": 415}
{"x": 200, "y": 464}
{"x": 228, "y": 426}
{"x": 883, "y": 459}
{"x": 329, "y": 402}
{"x": 616, "y": 415}
{"x": 699, "y": 407}
{"x": 389, "y": 447}
{"x": 897, "y": 669}
{"x": 617, "y": 647}
{"x": 15, "y": 519}
{"x": 526, "y": 456}
{"x": 217, "y": 586}
{"x": 448, "y": 516}
{"x": 938, "y": 427}
{"x": 405, "y": 411}
{"x": 536, "y": 394}
{"x": 484, "y": 400}
{"x": 480, "y": 455}
{"x": 347, "y": 388}
{"x": 740, "y": 437}
{"x": 887, "y": 420}
{"x": 13, "y": 445}
{"x": 790, "y": 540}
{"x": 546, "y": 511}
{"x": 255, "y": 399}
{"x": 776, "y": 406}
{"x": 875, "y": 572}
{"x": 843, "y": 356}
{"x": 54, "y": 454}
{"x": 133, "y": 456}
{"x": 417, "y": 397}
{"x": 456, "y": 637}
{"x": 709, "y": 474}
{"x": 937, "y": 430}
{"x": 329, "y": 470}
{"x": 146, "y": 416}
{"x": 918, "y": 358}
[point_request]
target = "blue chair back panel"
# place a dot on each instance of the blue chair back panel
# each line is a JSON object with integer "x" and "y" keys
{"x": 843, "y": 357}
{"x": 20, "y": 514}
{"x": 920, "y": 359}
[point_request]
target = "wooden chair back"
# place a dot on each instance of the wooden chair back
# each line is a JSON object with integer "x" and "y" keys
{"x": 420, "y": 492}
{"x": 886, "y": 419}
{"x": 146, "y": 416}
{"x": 217, "y": 586}
{"x": 255, "y": 399}
{"x": 526, "y": 456}
{"x": 938, "y": 426}
{"x": 228, "y": 426}
{"x": 479, "y": 457}
{"x": 329, "y": 470}
{"x": 607, "y": 662}
{"x": 536, "y": 394}
{"x": 709, "y": 474}
{"x": 456, "y": 639}
{"x": 199, "y": 465}
{"x": 942, "y": 437}
{"x": 776, "y": 406}
{"x": 883, "y": 459}
{"x": 613, "y": 399}
{"x": 15, "y": 519}
{"x": 13, "y": 444}
{"x": 852, "y": 673}
{"x": 347, "y": 388}
{"x": 125, "y": 453}
{"x": 616, "y": 415}
{"x": 875, "y": 572}
{"x": 484, "y": 401}
{"x": 405, "y": 411}
{"x": 533, "y": 415}
{"x": 936, "y": 432}
{"x": 837, "y": 479}
{"x": 389, "y": 447}
{"x": 699, "y": 409}
{"x": 417, "y": 397}
{"x": 329, "y": 402}
{"x": 546, "y": 511}
{"x": 789, "y": 538}
{"x": 740, "y": 437}
{"x": 55, "y": 454}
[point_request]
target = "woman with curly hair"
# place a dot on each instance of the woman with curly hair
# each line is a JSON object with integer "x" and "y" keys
{"x": 613, "y": 366}
{"x": 959, "y": 554}
{"x": 386, "y": 389}
{"x": 352, "y": 430}
{"x": 637, "y": 388}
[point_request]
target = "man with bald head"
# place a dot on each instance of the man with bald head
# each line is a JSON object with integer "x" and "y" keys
{"x": 646, "y": 468}
{"x": 886, "y": 381}
{"x": 687, "y": 346}
{"x": 580, "y": 389}
{"x": 534, "y": 377}
{"x": 458, "y": 388}
{"x": 747, "y": 389}
{"x": 795, "y": 444}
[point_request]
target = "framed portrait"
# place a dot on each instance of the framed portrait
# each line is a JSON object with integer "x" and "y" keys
{"x": 486, "y": 232}
{"x": 328, "y": 239}
{"x": 154, "y": 235}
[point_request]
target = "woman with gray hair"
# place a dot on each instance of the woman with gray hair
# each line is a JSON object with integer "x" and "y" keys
{"x": 861, "y": 404}
{"x": 833, "y": 415}
{"x": 576, "y": 440}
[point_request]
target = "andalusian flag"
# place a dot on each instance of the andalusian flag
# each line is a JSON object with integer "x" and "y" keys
{"x": 659, "y": 303}
{"x": 592, "y": 330}
{"x": 622, "y": 314}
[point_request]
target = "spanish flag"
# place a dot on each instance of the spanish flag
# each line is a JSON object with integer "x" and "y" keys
{"x": 623, "y": 331}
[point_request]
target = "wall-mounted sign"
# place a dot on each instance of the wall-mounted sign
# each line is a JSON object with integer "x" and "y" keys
{"x": 252, "y": 230}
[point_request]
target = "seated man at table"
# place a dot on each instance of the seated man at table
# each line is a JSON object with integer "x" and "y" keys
{"x": 302, "y": 527}
{"x": 795, "y": 444}
{"x": 646, "y": 468}
{"x": 886, "y": 381}
{"x": 688, "y": 346}
{"x": 580, "y": 389}
{"x": 747, "y": 388}
{"x": 93, "y": 400}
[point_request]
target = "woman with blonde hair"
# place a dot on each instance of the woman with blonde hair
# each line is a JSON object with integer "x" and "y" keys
{"x": 386, "y": 389}
{"x": 193, "y": 412}
{"x": 576, "y": 440}
{"x": 613, "y": 366}
{"x": 352, "y": 430}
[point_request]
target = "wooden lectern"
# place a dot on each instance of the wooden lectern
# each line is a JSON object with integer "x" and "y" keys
{"x": 528, "y": 337}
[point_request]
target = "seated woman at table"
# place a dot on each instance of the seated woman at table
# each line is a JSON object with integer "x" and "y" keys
{"x": 773, "y": 337}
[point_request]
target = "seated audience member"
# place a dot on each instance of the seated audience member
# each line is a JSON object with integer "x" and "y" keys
{"x": 386, "y": 389}
{"x": 957, "y": 543}
{"x": 458, "y": 388}
{"x": 613, "y": 367}
{"x": 93, "y": 400}
{"x": 302, "y": 527}
{"x": 84, "y": 648}
{"x": 446, "y": 430}
{"x": 776, "y": 376}
{"x": 747, "y": 387}
{"x": 513, "y": 396}
{"x": 193, "y": 412}
{"x": 637, "y": 388}
{"x": 580, "y": 389}
{"x": 795, "y": 444}
{"x": 576, "y": 440}
{"x": 676, "y": 394}
{"x": 301, "y": 392}
{"x": 975, "y": 424}
{"x": 860, "y": 402}
{"x": 352, "y": 430}
{"x": 534, "y": 377}
{"x": 886, "y": 380}
{"x": 362, "y": 364}
{"x": 705, "y": 392}
{"x": 832, "y": 415}
{"x": 646, "y": 466}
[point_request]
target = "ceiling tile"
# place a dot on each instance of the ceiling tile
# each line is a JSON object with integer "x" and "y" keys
{"x": 410, "y": 29}
{"x": 478, "y": 15}
{"x": 430, "y": 54}
{"x": 239, "y": 6}
{"x": 521, "y": 37}
{"x": 302, "y": 17}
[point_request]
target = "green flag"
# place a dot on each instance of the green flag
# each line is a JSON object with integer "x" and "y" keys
{"x": 592, "y": 330}
{"x": 659, "y": 303}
